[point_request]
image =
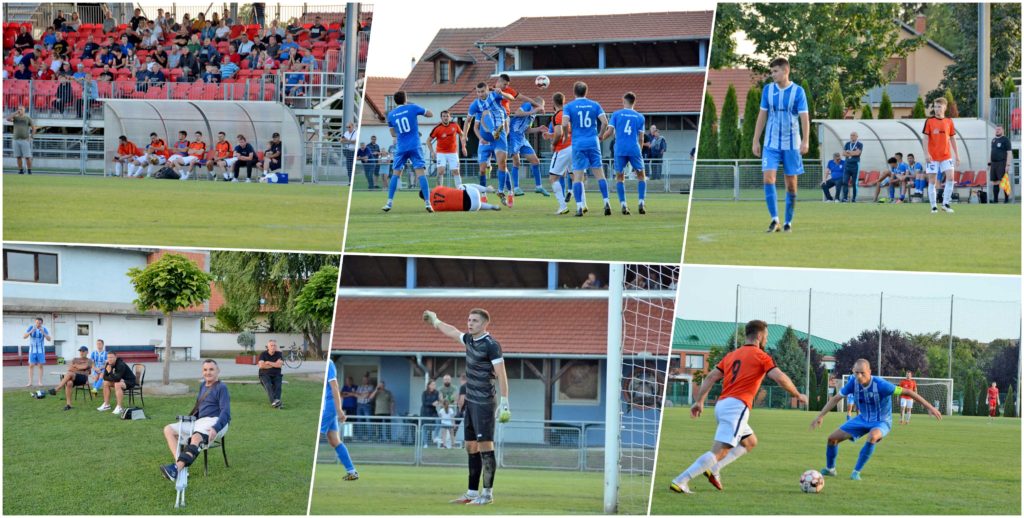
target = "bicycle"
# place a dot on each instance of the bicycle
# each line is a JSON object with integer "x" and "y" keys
{"x": 294, "y": 356}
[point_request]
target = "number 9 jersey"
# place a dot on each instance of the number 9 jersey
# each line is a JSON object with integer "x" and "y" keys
{"x": 743, "y": 370}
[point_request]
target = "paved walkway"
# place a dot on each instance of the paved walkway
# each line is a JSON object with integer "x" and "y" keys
{"x": 17, "y": 377}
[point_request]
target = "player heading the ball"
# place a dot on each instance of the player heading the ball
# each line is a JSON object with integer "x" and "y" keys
{"x": 405, "y": 130}
{"x": 483, "y": 363}
{"x": 874, "y": 404}
{"x": 786, "y": 125}
{"x": 741, "y": 372}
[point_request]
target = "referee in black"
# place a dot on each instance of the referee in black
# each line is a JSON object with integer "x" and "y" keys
{"x": 998, "y": 163}
{"x": 483, "y": 363}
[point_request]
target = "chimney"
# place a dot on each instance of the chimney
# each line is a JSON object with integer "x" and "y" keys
{"x": 920, "y": 23}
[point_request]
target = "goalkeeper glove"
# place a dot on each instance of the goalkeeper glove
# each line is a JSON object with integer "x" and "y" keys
{"x": 431, "y": 318}
{"x": 504, "y": 414}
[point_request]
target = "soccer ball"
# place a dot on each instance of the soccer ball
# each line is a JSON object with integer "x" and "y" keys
{"x": 542, "y": 81}
{"x": 812, "y": 481}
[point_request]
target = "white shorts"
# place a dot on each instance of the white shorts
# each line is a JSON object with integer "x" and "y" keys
{"x": 230, "y": 162}
{"x": 187, "y": 160}
{"x": 934, "y": 167}
{"x": 473, "y": 191}
{"x": 906, "y": 403}
{"x": 732, "y": 415}
{"x": 145, "y": 159}
{"x": 203, "y": 425}
{"x": 449, "y": 161}
{"x": 561, "y": 162}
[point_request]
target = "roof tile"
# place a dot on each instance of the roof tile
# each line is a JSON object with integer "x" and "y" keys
{"x": 604, "y": 28}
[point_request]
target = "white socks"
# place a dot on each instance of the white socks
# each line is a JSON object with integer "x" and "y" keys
{"x": 931, "y": 193}
{"x": 117, "y": 168}
{"x": 458, "y": 181}
{"x": 556, "y": 187}
{"x": 733, "y": 454}
{"x": 947, "y": 194}
{"x": 702, "y": 464}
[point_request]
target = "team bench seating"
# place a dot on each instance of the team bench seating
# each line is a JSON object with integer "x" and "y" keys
{"x": 135, "y": 353}
{"x": 11, "y": 358}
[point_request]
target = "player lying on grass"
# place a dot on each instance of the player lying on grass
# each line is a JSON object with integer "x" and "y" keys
{"x": 874, "y": 404}
{"x": 465, "y": 198}
{"x": 741, "y": 373}
{"x": 483, "y": 362}
{"x": 329, "y": 419}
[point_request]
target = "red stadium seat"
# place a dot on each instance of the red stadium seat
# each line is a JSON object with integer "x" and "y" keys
{"x": 981, "y": 179}
{"x": 89, "y": 63}
{"x": 236, "y": 31}
{"x": 259, "y": 156}
{"x": 869, "y": 179}
{"x": 156, "y": 92}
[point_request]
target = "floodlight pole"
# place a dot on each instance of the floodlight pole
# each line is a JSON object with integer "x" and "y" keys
{"x": 613, "y": 389}
{"x": 984, "y": 58}
{"x": 881, "y": 305}
{"x": 351, "y": 66}
{"x": 949, "y": 374}
{"x": 807, "y": 379}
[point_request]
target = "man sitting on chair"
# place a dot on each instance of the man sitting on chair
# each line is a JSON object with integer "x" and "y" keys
{"x": 117, "y": 376}
{"x": 212, "y": 412}
{"x": 77, "y": 374}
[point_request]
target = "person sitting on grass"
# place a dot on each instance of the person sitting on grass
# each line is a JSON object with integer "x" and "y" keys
{"x": 117, "y": 376}
{"x": 212, "y": 412}
{"x": 77, "y": 374}
{"x": 270, "y": 363}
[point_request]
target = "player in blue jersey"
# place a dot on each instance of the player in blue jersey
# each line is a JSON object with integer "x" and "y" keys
{"x": 585, "y": 119}
{"x": 405, "y": 130}
{"x": 916, "y": 172}
{"x": 874, "y": 419}
{"x": 520, "y": 125}
{"x": 628, "y": 127}
{"x": 489, "y": 119}
{"x": 785, "y": 123}
{"x": 329, "y": 418}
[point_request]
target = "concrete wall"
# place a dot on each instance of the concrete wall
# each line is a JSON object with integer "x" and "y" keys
{"x": 226, "y": 342}
{"x": 84, "y": 274}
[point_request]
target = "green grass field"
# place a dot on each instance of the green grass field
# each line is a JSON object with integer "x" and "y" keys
{"x": 410, "y": 490}
{"x": 975, "y": 239}
{"x": 529, "y": 230}
{"x": 962, "y": 465}
{"x": 88, "y": 462}
{"x": 76, "y": 209}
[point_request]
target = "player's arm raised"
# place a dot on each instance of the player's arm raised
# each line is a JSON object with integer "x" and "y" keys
{"x": 924, "y": 402}
{"x": 783, "y": 380}
{"x": 832, "y": 402}
{"x": 446, "y": 329}
{"x": 762, "y": 119}
{"x": 702, "y": 392}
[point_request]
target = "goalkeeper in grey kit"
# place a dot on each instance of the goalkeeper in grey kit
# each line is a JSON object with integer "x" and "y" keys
{"x": 483, "y": 363}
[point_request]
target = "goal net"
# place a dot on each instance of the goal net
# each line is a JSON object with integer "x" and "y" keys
{"x": 937, "y": 391}
{"x": 641, "y": 309}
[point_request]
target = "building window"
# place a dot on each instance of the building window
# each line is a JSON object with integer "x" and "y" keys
{"x": 898, "y": 68}
{"x": 389, "y": 103}
{"x": 444, "y": 71}
{"x": 580, "y": 383}
{"x": 695, "y": 361}
{"x": 24, "y": 266}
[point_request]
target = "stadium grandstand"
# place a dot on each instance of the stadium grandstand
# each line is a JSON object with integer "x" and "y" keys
{"x": 70, "y": 65}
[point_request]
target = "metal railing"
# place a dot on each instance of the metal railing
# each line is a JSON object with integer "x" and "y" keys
{"x": 325, "y": 162}
{"x": 308, "y": 89}
{"x": 741, "y": 180}
{"x": 1005, "y": 112}
{"x": 666, "y": 175}
{"x": 412, "y": 440}
{"x": 63, "y": 154}
{"x": 245, "y": 14}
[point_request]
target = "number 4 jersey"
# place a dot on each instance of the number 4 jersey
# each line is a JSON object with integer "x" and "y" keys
{"x": 743, "y": 371}
{"x": 628, "y": 124}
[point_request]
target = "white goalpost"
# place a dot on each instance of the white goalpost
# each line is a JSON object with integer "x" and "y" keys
{"x": 641, "y": 311}
{"x": 937, "y": 391}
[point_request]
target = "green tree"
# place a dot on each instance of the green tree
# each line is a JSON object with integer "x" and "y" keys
{"x": 812, "y": 145}
{"x": 1009, "y": 404}
{"x": 271, "y": 282}
{"x": 952, "y": 110}
{"x": 836, "y": 104}
{"x": 885, "y": 108}
{"x": 728, "y": 126}
{"x": 723, "y": 42}
{"x": 317, "y": 297}
{"x": 919, "y": 111}
{"x": 170, "y": 284}
{"x": 865, "y": 112}
{"x": 970, "y": 406}
{"x": 826, "y": 42}
{"x": 790, "y": 358}
{"x": 708, "y": 147}
{"x": 750, "y": 113}
{"x": 812, "y": 394}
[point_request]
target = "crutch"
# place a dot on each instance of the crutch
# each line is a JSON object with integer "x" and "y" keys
{"x": 185, "y": 422}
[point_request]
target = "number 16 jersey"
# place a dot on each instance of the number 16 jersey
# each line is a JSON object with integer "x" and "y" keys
{"x": 743, "y": 370}
{"x": 583, "y": 116}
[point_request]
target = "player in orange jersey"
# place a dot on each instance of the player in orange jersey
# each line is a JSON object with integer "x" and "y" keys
{"x": 467, "y": 197}
{"x": 907, "y": 402}
{"x": 561, "y": 157}
{"x": 449, "y": 138}
{"x": 939, "y": 141}
{"x": 222, "y": 156}
{"x": 196, "y": 155}
{"x": 741, "y": 372}
{"x": 126, "y": 158}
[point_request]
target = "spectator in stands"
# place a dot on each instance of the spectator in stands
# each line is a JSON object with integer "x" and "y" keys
{"x": 107, "y": 74}
{"x": 293, "y": 79}
{"x": 222, "y": 32}
{"x": 276, "y": 29}
{"x": 228, "y": 70}
{"x": 79, "y": 72}
{"x": 46, "y": 74}
{"x": 65, "y": 95}
{"x": 294, "y": 28}
{"x": 998, "y": 163}
{"x": 317, "y": 32}
{"x": 270, "y": 362}
{"x": 48, "y": 38}
{"x": 851, "y": 153}
{"x": 136, "y": 20}
{"x": 274, "y": 46}
{"x": 373, "y": 163}
{"x": 222, "y": 156}
{"x": 160, "y": 58}
{"x": 90, "y": 48}
{"x": 244, "y": 45}
{"x": 212, "y": 74}
{"x": 833, "y": 177}
{"x": 156, "y": 29}
{"x": 149, "y": 40}
{"x": 308, "y": 61}
{"x": 127, "y": 44}
{"x": 60, "y": 46}
{"x": 246, "y": 157}
{"x": 65, "y": 69}
{"x": 656, "y": 146}
{"x": 188, "y": 64}
{"x": 289, "y": 48}
{"x": 272, "y": 156}
{"x": 24, "y": 39}
{"x": 141, "y": 75}
{"x": 22, "y": 71}
{"x": 117, "y": 377}
{"x": 348, "y": 395}
{"x": 213, "y": 414}
{"x": 232, "y": 55}
{"x": 76, "y": 375}
{"x": 383, "y": 406}
{"x": 22, "y": 141}
{"x": 226, "y": 17}
{"x": 182, "y": 37}
{"x": 211, "y": 28}
{"x": 429, "y": 401}
{"x": 74, "y": 24}
{"x": 364, "y": 403}
{"x": 592, "y": 282}
{"x": 195, "y": 42}
{"x": 199, "y": 24}
{"x": 58, "y": 21}
{"x": 90, "y": 92}
{"x": 208, "y": 53}
{"x": 109, "y": 23}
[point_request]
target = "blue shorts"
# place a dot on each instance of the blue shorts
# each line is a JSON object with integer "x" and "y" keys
{"x": 412, "y": 155}
{"x": 328, "y": 419}
{"x": 484, "y": 153}
{"x": 858, "y": 427}
{"x": 586, "y": 158}
{"x": 501, "y": 143}
{"x": 519, "y": 144}
{"x": 792, "y": 164}
{"x": 634, "y": 161}
{"x": 36, "y": 358}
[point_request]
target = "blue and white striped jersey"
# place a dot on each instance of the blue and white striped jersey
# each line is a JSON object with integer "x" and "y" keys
{"x": 784, "y": 106}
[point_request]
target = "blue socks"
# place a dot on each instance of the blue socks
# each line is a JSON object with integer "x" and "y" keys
{"x": 790, "y": 206}
{"x": 483, "y": 180}
{"x": 641, "y": 189}
{"x": 831, "y": 451}
{"x": 425, "y": 189}
{"x": 535, "y": 170}
{"x": 865, "y": 454}
{"x": 892, "y": 192}
{"x": 343, "y": 456}
{"x": 502, "y": 177}
{"x": 515, "y": 177}
{"x": 620, "y": 189}
{"x": 771, "y": 199}
{"x": 577, "y": 192}
{"x": 392, "y": 187}
{"x": 603, "y": 185}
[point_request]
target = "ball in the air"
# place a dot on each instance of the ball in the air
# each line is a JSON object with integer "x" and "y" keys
{"x": 542, "y": 81}
{"x": 812, "y": 481}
